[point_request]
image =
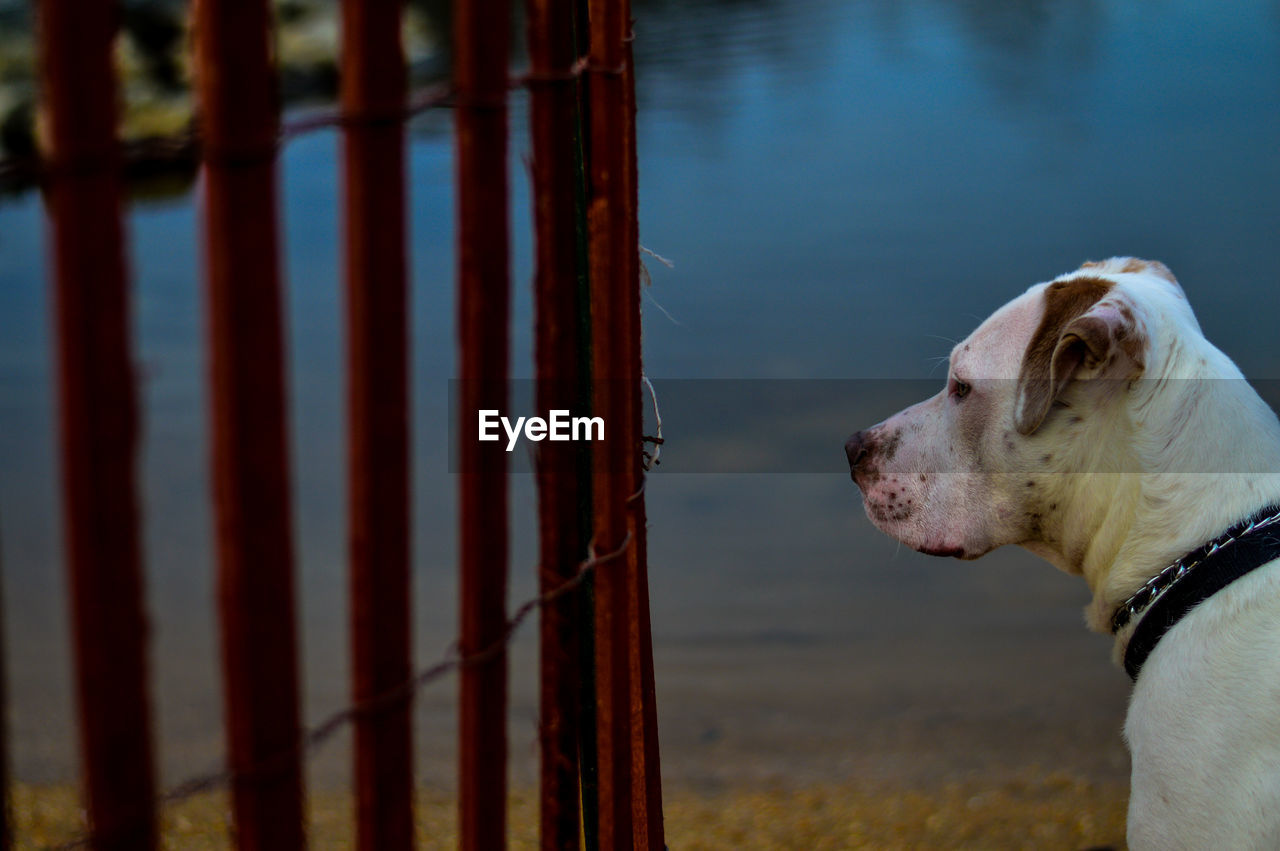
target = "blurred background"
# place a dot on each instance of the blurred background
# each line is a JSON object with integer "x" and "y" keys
{"x": 844, "y": 188}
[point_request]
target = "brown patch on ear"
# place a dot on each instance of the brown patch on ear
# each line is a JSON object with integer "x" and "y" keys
{"x": 1109, "y": 339}
{"x": 1051, "y": 359}
{"x": 1093, "y": 333}
{"x": 1162, "y": 270}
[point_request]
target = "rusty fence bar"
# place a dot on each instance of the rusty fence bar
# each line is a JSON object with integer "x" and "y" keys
{"x": 480, "y": 84}
{"x": 559, "y": 339}
{"x": 589, "y": 767}
{"x": 611, "y": 237}
{"x": 373, "y": 102}
{"x": 98, "y": 421}
{"x": 646, "y": 776}
{"x": 6, "y": 796}
{"x": 239, "y": 121}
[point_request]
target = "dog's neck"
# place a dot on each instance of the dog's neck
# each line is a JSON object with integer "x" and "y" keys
{"x": 1178, "y": 488}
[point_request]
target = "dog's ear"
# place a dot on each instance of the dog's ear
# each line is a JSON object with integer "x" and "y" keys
{"x": 1079, "y": 336}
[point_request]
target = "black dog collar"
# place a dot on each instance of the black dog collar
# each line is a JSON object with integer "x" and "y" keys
{"x": 1195, "y": 577}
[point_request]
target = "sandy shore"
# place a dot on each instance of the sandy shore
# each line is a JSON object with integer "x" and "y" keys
{"x": 1042, "y": 812}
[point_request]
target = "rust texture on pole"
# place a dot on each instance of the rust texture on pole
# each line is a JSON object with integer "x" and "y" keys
{"x": 558, "y": 340}
{"x": 6, "y": 799}
{"x": 373, "y": 93}
{"x": 613, "y": 381}
{"x": 98, "y": 421}
{"x": 646, "y": 776}
{"x": 480, "y": 41}
{"x": 239, "y": 122}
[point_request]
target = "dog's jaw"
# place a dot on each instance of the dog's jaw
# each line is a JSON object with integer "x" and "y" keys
{"x": 944, "y": 552}
{"x": 903, "y": 503}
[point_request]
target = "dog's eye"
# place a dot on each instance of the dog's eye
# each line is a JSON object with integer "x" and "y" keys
{"x": 959, "y": 389}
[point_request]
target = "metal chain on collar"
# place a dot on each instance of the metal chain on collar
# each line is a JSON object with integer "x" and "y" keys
{"x": 1157, "y": 585}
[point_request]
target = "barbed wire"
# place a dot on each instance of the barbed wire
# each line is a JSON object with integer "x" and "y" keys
{"x": 452, "y": 660}
{"x": 649, "y": 460}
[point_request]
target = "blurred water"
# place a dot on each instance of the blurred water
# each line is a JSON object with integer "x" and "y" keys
{"x": 844, "y": 188}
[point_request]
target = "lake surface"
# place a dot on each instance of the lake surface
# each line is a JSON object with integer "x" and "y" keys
{"x": 844, "y": 188}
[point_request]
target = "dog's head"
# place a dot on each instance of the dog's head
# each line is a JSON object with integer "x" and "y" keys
{"x": 1042, "y": 386}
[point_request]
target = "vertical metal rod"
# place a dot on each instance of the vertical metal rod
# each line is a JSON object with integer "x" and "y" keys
{"x": 373, "y": 91}
{"x": 613, "y": 381}
{"x": 558, "y": 339}
{"x": 588, "y": 763}
{"x": 6, "y": 799}
{"x": 646, "y": 775}
{"x": 98, "y": 421}
{"x": 646, "y": 765}
{"x": 480, "y": 82}
{"x": 239, "y": 124}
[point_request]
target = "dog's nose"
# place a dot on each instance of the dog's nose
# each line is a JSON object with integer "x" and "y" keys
{"x": 856, "y": 449}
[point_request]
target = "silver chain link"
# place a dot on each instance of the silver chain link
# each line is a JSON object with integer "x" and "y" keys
{"x": 1156, "y": 586}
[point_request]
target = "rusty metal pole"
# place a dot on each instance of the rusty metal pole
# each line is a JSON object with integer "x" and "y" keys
{"x": 6, "y": 799}
{"x": 98, "y": 421}
{"x": 480, "y": 40}
{"x": 373, "y": 93}
{"x": 646, "y": 775}
{"x": 554, "y": 122}
{"x": 610, "y": 216}
{"x": 239, "y": 125}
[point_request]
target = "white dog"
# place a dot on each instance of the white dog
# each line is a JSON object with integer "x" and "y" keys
{"x": 1091, "y": 422}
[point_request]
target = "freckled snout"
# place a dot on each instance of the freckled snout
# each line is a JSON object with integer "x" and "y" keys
{"x": 856, "y": 449}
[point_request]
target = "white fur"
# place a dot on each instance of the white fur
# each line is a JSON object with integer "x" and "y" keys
{"x": 1125, "y": 477}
